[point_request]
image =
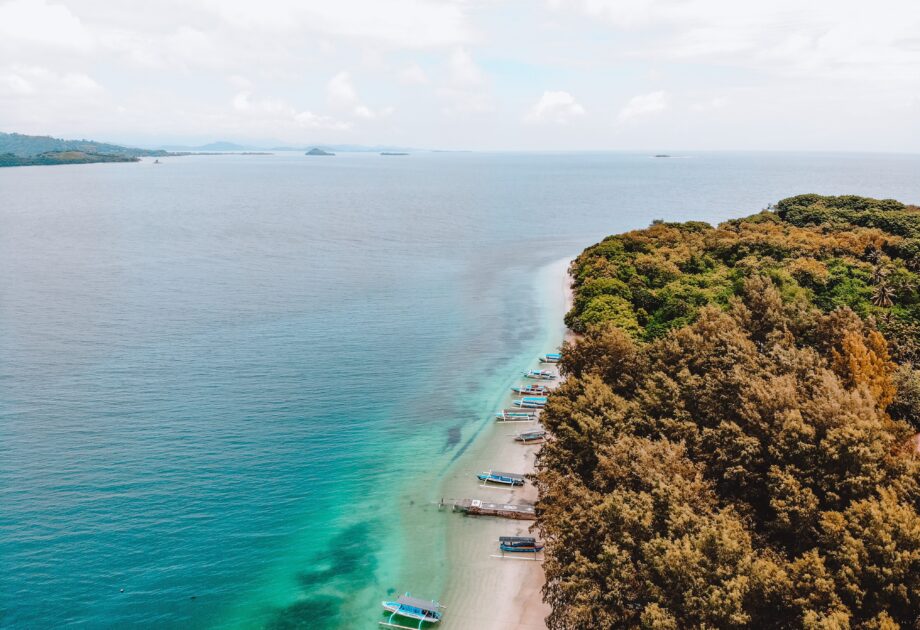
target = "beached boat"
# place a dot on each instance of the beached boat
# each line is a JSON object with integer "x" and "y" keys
{"x": 406, "y": 606}
{"x": 540, "y": 375}
{"x": 478, "y": 507}
{"x": 516, "y": 415}
{"x": 504, "y": 478}
{"x": 551, "y": 357}
{"x": 532, "y": 390}
{"x": 519, "y": 544}
{"x": 530, "y": 402}
{"x": 530, "y": 436}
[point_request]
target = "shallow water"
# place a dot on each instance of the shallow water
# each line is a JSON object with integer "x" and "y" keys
{"x": 229, "y": 385}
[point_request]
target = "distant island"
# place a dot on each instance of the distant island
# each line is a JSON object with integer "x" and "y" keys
{"x": 392, "y": 153}
{"x": 662, "y": 155}
{"x": 318, "y": 151}
{"x": 23, "y": 150}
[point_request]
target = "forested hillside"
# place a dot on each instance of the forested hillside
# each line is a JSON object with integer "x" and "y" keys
{"x": 22, "y": 145}
{"x": 733, "y": 443}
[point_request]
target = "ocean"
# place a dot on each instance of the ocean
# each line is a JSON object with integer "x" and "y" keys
{"x": 231, "y": 386}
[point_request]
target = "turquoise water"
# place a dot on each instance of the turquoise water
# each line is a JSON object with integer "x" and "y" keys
{"x": 229, "y": 384}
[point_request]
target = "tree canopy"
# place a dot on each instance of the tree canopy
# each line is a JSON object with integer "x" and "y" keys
{"x": 731, "y": 445}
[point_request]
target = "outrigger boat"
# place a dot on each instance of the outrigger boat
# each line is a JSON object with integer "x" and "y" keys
{"x": 505, "y": 478}
{"x": 532, "y": 402}
{"x": 423, "y": 611}
{"x": 551, "y": 357}
{"x": 536, "y": 390}
{"x": 519, "y": 544}
{"x": 516, "y": 415}
{"x": 540, "y": 375}
{"x": 530, "y": 436}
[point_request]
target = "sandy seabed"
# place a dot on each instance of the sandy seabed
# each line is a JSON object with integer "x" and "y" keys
{"x": 484, "y": 591}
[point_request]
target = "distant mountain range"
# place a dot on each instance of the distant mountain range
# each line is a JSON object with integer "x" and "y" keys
{"x": 223, "y": 145}
{"x": 17, "y": 149}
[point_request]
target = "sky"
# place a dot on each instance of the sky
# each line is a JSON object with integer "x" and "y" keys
{"x": 836, "y": 75}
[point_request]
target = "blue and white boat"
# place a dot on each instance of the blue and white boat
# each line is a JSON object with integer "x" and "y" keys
{"x": 527, "y": 437}
{"x": 530, "y": 402}
{"x": 540, "y": 375}
{"x": 406, "y": 606}
{"x": 516, "y": 415}
{"x": 504, "y": 478}
{"x": 551, "y": 357}
{"x": 533, "y": 390}
{"x": 519, "y": 544}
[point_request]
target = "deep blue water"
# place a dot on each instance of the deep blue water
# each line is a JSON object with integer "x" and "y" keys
{"x": 218, "y": 373}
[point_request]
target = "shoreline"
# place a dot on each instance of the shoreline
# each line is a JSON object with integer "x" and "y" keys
{"x": 481, "y": 591}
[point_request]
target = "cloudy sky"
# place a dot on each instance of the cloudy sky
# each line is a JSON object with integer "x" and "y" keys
{"x": 478, "y": 74}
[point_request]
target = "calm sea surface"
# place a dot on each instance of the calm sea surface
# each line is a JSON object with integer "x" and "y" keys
{"x": 220, "y": 374}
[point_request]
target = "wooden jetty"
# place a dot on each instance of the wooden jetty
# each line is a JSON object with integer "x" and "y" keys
{"x": 476, "y": 507}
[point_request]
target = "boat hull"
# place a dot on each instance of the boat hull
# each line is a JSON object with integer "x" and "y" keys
{"x": 393, "y": 607}
{"x": 505, "y": 481}
{"x": 510, "y": 549}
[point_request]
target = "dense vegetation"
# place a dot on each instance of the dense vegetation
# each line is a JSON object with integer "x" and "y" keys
{"x": 21, "y": 150}
{"x": 61, "y": 157}
{"x": 732, "y": 443}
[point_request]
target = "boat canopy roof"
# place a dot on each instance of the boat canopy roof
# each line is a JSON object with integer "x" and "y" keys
{"x": 415, "y": 602}
{"x": 519, "y": 540}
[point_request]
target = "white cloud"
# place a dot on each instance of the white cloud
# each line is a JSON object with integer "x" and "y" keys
{"x": 342, "y": 95}
{"x": 826, "y": 38}
{"x": 555, "y": 107}
{"x": 268, "y": 112}
{"x": 39, "y": 81}
{"x": 716, "y": 102}
{"x": 463, "y": 71}
{"x": 395, "y": 23}
{"x": 465, "y": 89}
{"x": 643, "y": 105}
{"x": 413, "y": 75}
{"x": 36, "y": 23}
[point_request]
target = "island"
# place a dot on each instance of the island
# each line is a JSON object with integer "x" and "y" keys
{"x": 662, "y": 155}
{"x": 318, "y": 151}
{"x": 735, "y": 442}
{"x": 24, "y": 150}
{"x": 392, "y": 153}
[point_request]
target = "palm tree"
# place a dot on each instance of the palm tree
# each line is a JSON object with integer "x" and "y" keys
{"x": 883, "y": 296}
{"x": 878, "y": 274}
{"x": 873, "y": 255}
{"x": 914, "y": 263}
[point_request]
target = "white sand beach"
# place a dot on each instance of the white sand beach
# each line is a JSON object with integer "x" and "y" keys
{"x": 485, "y": 591}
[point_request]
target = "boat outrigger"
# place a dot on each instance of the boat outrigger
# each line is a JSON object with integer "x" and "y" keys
{"x": 531, "y": 402}
{"x": 516, "y": 415}
{"x": 420, "y": 610}
{"x": 519, "y": 544}
{"x": 526, "y": 437}
{"x": 504, "y": 478}
{"x": 551, "y": 357}
{"x": 540, "y": 375}
{"x": 533, "y": 390}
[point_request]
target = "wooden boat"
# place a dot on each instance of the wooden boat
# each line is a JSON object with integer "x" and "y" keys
{"x": 478, "y": 507}
{"x": 519, "y": 544}
{"x": 532, "y": 390}
{"x": 516, "y": 415}
{"x": 530, "y": 436}
{"x": 551, "y": 357}
{"x": 504, "y": 478}
{"x": 540, "y": 375}
{"x": 530, "y": 402}
{"x": 409, "y": 607}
